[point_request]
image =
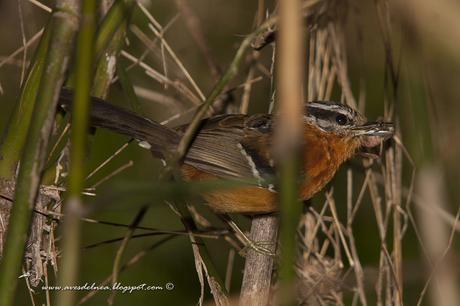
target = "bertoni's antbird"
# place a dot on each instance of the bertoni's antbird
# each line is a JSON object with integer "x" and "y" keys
{"x": 240, "y": 146}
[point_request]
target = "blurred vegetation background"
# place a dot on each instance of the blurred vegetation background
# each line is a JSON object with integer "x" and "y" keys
{"x": 423, "y": 43}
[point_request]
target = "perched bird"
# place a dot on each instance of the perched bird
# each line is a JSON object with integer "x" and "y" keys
{"x": 240, "y": 146}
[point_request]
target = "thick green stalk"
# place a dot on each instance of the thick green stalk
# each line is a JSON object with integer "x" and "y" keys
{"x": 110, "y": 39}
{"x": 291, "y": 209}
{"x": 116, "y": 16}
{"x": 68, "y": 272}
{"x": 107, "y": 63}
{"x": 15, "y": 135}
{"x": 288, "y": 137}
{"x": 64, "y": 23}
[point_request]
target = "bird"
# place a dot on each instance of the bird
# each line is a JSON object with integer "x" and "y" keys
{"x": 241, "y": 146}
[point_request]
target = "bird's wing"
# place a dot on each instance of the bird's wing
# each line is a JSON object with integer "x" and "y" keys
{"x": 234, "y": 146}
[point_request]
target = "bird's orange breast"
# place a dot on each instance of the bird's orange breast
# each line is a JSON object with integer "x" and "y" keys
{"x": 323, "y": 154}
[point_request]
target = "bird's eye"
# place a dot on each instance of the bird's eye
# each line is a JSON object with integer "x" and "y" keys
{"x": 260, "y": 123}
{"x": 341, "y": 119}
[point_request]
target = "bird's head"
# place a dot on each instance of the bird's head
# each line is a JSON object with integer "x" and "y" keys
{"x": 344, "y": 121}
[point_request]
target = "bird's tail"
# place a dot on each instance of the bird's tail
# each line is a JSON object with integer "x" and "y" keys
{"x": 106, "y": 115}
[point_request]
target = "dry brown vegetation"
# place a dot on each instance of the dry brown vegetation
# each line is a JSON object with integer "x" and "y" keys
{"x": 382, "y": 233}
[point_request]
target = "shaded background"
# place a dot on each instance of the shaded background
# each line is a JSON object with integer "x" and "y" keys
{"x": 423, "y": 46}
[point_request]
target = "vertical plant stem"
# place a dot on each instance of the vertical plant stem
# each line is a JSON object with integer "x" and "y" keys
{"x": 288, "y": 135}
{"x": 15, "y": 135}
{"x": 255, "y": 289}
{"x": 110, "y": 39}
{"x": 113, "y": 21}
{"x": 65, "y": 23}
{"x": 394, "y": 159}
{"x": 68, "y": 272}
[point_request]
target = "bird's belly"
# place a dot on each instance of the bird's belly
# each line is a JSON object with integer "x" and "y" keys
{"x": 246, "y": 200}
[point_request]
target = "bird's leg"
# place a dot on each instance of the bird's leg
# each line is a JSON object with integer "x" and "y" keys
{"x": 258, "y": 246}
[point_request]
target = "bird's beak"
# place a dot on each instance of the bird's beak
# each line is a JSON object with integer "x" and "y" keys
{"x": 372, "y": 134}
{"x": 379, "y": 129}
